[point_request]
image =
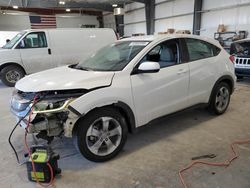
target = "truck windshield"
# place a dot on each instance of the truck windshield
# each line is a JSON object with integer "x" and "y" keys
{"x": 240, "y": 48}
{"x": 13, "y": 41}
{"x": 113, "y": 57}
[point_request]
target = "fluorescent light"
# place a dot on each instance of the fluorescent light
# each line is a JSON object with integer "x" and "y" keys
{"x": 67, "y": 10}
{"x": 15, "y": 7}
{"x": 114, "y": 5}
{"x": 61, "y": 3}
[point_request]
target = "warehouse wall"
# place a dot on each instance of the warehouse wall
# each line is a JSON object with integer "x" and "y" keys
{"x": 109, "y": 20}
{"x": 75, "y": 20}
{"x": 177, "y": 14}
{"x": 234, "y": 14}
{"x": 14, "y": 21}
{"x": 134, "y": 19}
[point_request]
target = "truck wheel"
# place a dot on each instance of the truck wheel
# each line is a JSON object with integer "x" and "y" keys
{"x": 220, "y": 98}
{"x": 11, "y": 74}
{"x": 101, "y": 135}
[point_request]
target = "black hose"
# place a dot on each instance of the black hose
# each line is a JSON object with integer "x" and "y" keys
{"x": 13, "y": 148}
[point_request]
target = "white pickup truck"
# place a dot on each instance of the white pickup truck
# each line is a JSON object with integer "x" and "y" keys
{"x": 32, "y": 51}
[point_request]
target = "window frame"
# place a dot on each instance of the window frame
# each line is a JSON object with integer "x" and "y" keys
{"x": 216, "y": 50}
{"x": 37, "y": 32}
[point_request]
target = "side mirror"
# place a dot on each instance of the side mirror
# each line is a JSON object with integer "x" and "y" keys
{"x": 149, "y": 67}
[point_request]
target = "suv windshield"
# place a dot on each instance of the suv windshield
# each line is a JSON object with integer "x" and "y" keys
{"x": 240, "y": 48}
{"x": 13, "y": 41}
{"x": 113, "y": 57}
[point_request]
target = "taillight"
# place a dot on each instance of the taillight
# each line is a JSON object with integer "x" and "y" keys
{"x": 232, "y": 58}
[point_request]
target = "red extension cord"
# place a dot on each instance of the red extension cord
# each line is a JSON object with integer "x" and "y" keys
{"x": 226, "y": 163}
{"x": 30, "y": 155}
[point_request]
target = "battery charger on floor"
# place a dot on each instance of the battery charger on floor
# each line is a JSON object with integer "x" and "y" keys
{"x": 43, "y": 157}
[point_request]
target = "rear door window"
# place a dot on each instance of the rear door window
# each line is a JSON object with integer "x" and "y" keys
{"x": 198, "y": 49}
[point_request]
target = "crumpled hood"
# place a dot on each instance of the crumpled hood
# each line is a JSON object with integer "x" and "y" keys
{"x": 63, "y": 78}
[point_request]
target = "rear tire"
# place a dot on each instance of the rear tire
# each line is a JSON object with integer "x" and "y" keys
{"x": 101, "y": 135}
{"x": 11, "y": 74}
{"x": 220, "y": 98}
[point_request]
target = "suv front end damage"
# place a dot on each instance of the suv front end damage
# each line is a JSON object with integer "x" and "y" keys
{"x": 51, "y": 115}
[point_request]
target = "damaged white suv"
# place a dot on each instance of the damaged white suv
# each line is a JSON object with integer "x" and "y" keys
{"x": 122, "y": 87}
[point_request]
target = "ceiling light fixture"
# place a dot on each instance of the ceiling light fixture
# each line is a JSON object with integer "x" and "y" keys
{"x": 61, "y": 3}
{"x": 114, "y": 5}
{"x": 67, "y": 10}
{"x": 15, "y": 7}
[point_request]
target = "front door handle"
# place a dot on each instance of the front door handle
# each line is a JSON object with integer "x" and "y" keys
{"x": 182, "y": 71}
{"x": 49, "y": 51}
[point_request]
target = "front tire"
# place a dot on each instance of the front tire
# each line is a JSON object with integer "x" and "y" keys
{"x": 101, "y": 135}
{"x": 11, "y": 74}
{"x": 220, "y": 98}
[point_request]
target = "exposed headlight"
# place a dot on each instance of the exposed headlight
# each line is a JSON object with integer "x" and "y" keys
{"x": 51, "y": 106}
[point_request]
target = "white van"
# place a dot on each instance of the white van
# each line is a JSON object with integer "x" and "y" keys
{"x": 32, "y": 51}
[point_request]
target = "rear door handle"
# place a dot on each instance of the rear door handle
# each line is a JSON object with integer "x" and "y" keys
{"x": 182, "y": 71}
{"x": 49, "y": 51}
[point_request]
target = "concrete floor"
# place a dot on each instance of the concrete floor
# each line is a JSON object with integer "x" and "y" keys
{"x": 152, "y": 157}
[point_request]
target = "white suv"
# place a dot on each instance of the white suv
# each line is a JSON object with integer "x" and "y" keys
{"x": 122, "y": 87}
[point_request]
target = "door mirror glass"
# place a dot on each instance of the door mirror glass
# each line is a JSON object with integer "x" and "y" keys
{"x": 149, "y": 67}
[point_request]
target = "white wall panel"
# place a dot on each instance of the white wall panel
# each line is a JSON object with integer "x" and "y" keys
{"x": 174, "y": 8}
{"x": 109, "y": 21}
{"x": 13, "y": 22}
{"x": 135, "y": 16}
{"x": 164, "y": 10}
{"x": 132, "y": 6}
{"x": 183, "y": 6}
{"x": 159, "y": 1}
{"x": 134, "y": 13}
{"x": 234, "y": 19}
{"x": 178, "y": 23}
{"x": 135, "y": 28}
{"x": 210, "y": 4}
{"x": 75, "y": 20}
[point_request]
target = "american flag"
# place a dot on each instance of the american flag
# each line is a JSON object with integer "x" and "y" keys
{"x": 41, "y": 22}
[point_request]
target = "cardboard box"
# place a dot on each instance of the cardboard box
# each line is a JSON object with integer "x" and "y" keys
{"x": 138, "y": 34}
{"x": 163, "y": 33}
{"x": 183, "y": 32}
{"x": 170, "y": 31}
{"x": 221, "y": 28}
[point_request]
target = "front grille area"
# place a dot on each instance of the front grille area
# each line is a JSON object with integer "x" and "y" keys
{"x": 242, "y": 61}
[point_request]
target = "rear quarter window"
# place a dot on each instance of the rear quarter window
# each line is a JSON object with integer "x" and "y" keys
{"x": 199, "y": 49}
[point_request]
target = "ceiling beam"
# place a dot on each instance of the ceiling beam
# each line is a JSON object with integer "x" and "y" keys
{"x": 54, "y": 4}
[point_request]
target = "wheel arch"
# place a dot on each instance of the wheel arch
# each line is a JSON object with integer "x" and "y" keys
{"x": 12, "y": 63}
{"x": 122, "y": 107}
{"x": 227, "y": 79}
